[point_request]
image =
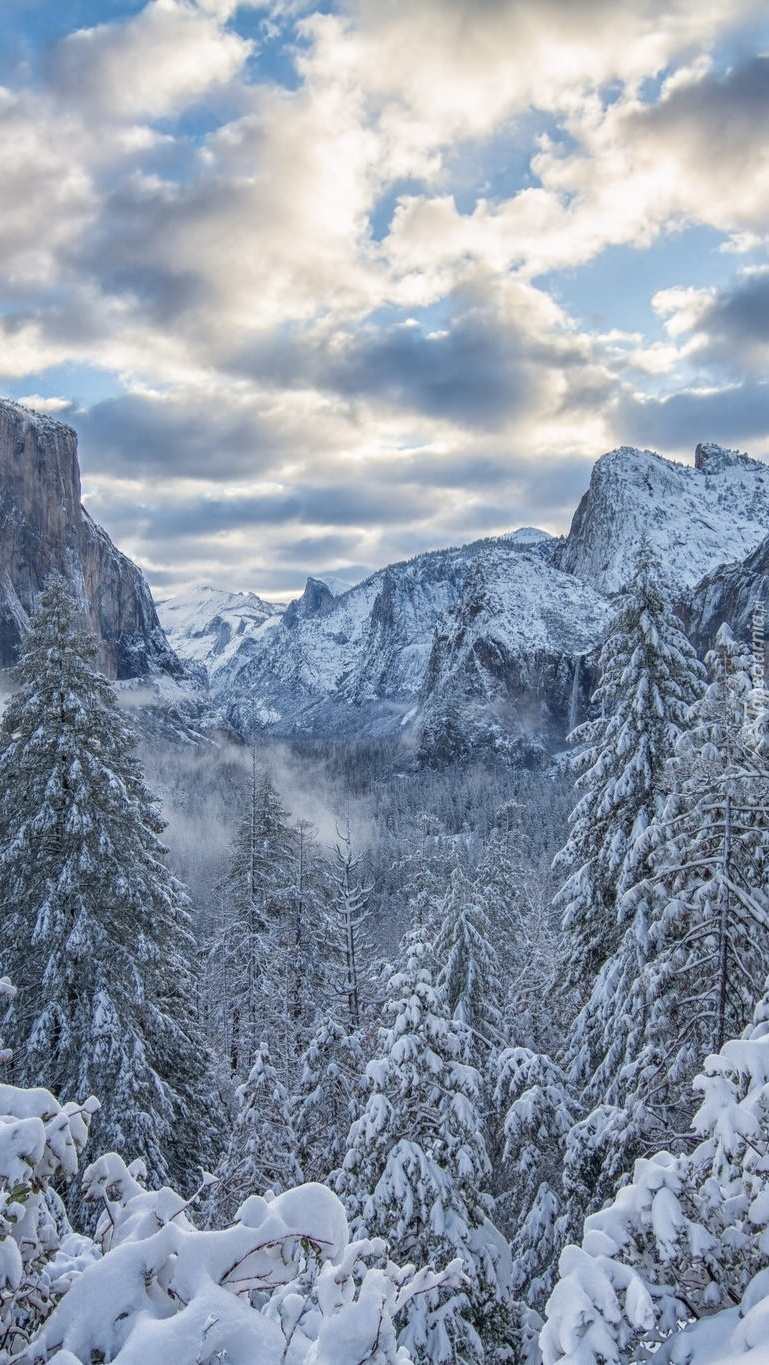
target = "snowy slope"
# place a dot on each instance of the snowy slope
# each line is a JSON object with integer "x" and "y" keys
{"x": 209, "y": 626}
{"x": 696, "y": 517}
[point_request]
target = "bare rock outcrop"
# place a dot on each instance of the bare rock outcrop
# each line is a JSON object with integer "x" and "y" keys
{"x": 43, "y": 527}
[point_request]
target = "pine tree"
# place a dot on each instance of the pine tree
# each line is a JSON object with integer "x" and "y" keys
{"x": 538, "y": 1112}
{"x": 709, "y": 870}
{"x": 685, "y": 1240}
{"x": 95, "y": 930}
{"x": 255, "y": 902}
{"x": 329, "y": 1097}
{"x": 261, "y": 1154}
{"x": 467, "y": 980}
{"x": 523, "y": 928}
{"x": 649, "y": 678}
{"x": 416, "y": 1165}
{"x": 346, "y": 917}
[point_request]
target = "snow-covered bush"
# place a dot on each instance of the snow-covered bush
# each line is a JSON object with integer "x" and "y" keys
{"x": 40, "y": 1139}
{"x": 687, "y": 1241}
{"x": 282, "y": 1284}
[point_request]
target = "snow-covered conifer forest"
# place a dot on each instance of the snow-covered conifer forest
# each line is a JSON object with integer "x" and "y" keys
{"x": 397, "y": 1043}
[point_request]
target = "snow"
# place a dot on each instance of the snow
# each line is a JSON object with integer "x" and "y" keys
{"x": 528, "y": 535}
{"x": 336, "y": 586}
{"x": 208, "y": 625}
{"x": 695, "y": 519}
{"x": 282, "y": 1284}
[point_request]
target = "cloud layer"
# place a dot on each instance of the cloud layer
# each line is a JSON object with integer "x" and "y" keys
{"x": 312, "y": 284}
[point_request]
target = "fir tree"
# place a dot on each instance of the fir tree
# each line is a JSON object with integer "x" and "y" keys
{"x": 416, "y": 1166}
{"x": 261, "y": 1155}
{"x": 538, "y": 1112}
{"x": 255, "y": 899}
{"x": 346, "y": 917}
{"x": 523, "y": 928}
{"x": 329, "y": 1097}
{"x": 685, "y": 1240}
{"x": 649, "y": 678}
{"x": 95, "y": 929}
{"x": 467, "y": 980}
{"x": 709, "y": 869}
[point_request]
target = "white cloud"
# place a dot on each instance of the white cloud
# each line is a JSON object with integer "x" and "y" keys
{"x": 232, "y": 284}
{"x": 169, "y": 55}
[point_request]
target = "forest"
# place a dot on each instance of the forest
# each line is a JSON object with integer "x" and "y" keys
{"x": 314, "y": 1053}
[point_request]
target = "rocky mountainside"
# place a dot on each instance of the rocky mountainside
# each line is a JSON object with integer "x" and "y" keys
{"x": 43, "y": 527}
{"x": 696, "y": 518}
{"x": 512, "y": 663}
{"x": 492, "y": 644}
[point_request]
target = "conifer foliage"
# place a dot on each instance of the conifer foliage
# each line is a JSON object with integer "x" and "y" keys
{"x": 95, "y": 929}
{"x": 467, "y": 978}
{"x": 417, "y": 1164}
{"x": 261, "y": 1154}
{"x": 255, "y": 895}
{"x": 708, "y": 857}
{"x": 649, "y": 677}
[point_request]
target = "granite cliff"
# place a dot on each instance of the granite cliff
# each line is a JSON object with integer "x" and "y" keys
{"x": 44, "y": 527}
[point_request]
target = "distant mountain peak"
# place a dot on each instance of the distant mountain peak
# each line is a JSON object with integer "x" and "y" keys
{"x": 710, "y": 458}
{"x": 695, "y": 516}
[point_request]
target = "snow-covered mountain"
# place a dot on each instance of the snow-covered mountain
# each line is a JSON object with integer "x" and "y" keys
{"x": 210, "y": 626}
{"x": 696, "y": 518}
{"x": 43, "y": 527}
{"x": 510, "y": 664}
{"x": 493, "y": 643}
{"x": 489, "y": 625}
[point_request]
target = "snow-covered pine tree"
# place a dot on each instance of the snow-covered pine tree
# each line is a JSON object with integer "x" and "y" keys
{"x": 675, "y": 1268}
{"x": 329, "y": 1097}
{"x": 523, "y": 928}
{"x": 416, "y": 1165}
{"x": 650, "y": 676}
{"x": 95, "y": 929}
{"x": 467, "y": 980}
{"x": 255, "y": 898}
{"x": 708, "y": 856}
{"x": 261, "y": 1154}
{"x": 346, "y": 918}
{"x": 538, "y": 1111}
{"x": 302, "y": 938}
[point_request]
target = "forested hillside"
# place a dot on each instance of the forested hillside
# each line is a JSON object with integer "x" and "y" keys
{"x": 380, "y": 1061}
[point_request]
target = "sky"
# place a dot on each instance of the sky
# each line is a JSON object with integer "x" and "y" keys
{"x": 324, "y": 286}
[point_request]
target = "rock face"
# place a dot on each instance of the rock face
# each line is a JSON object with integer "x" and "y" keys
{"x": 43, "y": 527}
{"x": 316, "y": 600}
{"x": 736, "y": 593}
{"x": 696, "y": 518}
{"x": 513, "y": 662}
